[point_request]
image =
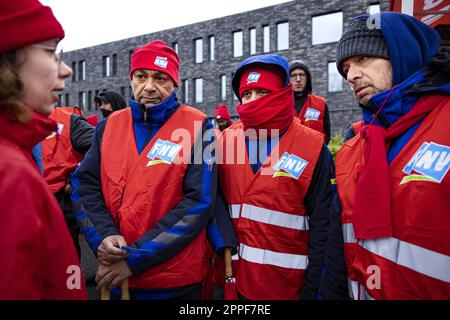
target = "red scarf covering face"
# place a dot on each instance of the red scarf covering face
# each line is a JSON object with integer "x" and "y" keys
{"x": 273, "y": 111}
{"x": 372, "y": 207}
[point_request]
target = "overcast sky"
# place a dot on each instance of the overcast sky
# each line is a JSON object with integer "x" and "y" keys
{"x": 92, "y": 22}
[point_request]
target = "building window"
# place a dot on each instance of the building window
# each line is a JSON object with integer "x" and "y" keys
{"x": 82, "y": 100}
{"x": 334, "y": 78}
{"x": 175, "y": 46}
{"x": 74, "y": 70}
{"x": 237, "y": 44}
{"x": 198, "y": 50}
{"x": 186, "y": 91}
{"x": 223, "y": 87}
{"x": 89, "y": 101}
{"x": 212, "y": 45}
{"x": 374, "y": 8}
{"x": 114, "y": 64}
{"x": 67, "y": 100}
{"x": 106, "y": 66}
{"x": 122, "y": 92}
{"x": 199, "y": 90}
{"x": 327, "y": 28}
{"x": 82, "y": 70}
{"x": 266, "y": 39}
{"x": 283, "y": 36}
{"x": 252, "y": 41}
{"x": 61, "y": 100}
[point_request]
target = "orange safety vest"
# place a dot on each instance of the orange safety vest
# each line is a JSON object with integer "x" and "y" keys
{"x": 59, "y": 158}
{"x": 357, "y": 127}
{"x": 268, "y": 211}
{"x": 140, "y": 189}
{"x": 313, "y": 112}
{"x": 415, "y": 262}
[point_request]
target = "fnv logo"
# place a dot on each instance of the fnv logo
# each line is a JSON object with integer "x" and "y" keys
{"x": 163, "y": 152}
{"x": 312, "y": 114}
{"x": 58, "y": 131}
{"x": 290, "y": 166}
{"x": 253, "y": 77}
{"x": 161, "y": 62}
{"x": 430, "y": 163}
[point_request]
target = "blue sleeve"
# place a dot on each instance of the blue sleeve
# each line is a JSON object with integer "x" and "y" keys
{"x": 181, "y": 225}
{"x": 318, "y": 201}
{"x": 220, "y": 229}
{"x": 37, "y": 156}
{"x": 333, "y": 283}
{"x": 87, "y": 197}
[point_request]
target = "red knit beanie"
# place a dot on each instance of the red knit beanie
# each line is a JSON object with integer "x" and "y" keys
{"x": 222, "y": 112}
{"x": 268, "y": 77}
{"x": 157, "y": 56}
{"x": 24, "y": 22}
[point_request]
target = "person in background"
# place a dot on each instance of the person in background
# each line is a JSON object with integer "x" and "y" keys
{"x": 110, "y": 101}
{"x": 222, "y": 117}
{"x": 38, "y": 255}
{"x": 312, "y": 110}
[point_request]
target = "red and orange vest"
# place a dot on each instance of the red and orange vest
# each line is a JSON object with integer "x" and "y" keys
{"x": 415, "y": 262}
{"x": 268, "y": 211}
{"x": 139, "y": 189}
{"x": 58, "y": 156}
{"x": 313, "y": 112}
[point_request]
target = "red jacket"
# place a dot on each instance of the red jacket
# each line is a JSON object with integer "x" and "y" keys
{"x": 37, "y": 253}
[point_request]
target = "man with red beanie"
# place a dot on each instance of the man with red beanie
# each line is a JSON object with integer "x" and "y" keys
{"x": 144, "y": 196}
{"x": 38, "y": 259}
{"x": 222, "y": 117}
{"x": 278, "y": 189}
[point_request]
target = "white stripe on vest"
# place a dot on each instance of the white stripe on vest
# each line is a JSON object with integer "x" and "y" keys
{"x": 431, "y": 263}
{"x": 234, "y": 210}
{"x": 275, "y": 218}
{"x": 284, "y": 260}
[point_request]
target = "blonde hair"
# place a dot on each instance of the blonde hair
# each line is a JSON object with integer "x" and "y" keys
{"x": 11, "y": 88}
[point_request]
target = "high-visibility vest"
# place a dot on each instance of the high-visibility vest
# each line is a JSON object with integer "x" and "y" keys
{"x": 139, "y": 189}
{"x": 59, "y": 158}
{"x": 415, "y": 262}
{"x": 313, "y": 112}
{"x": 268, "y": 210}
{"x": 356, "y": 126}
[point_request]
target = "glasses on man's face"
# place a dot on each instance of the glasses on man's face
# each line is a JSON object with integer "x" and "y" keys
{"x": 298, "y": 75}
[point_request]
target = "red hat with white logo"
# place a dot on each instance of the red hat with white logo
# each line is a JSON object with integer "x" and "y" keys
{"x": 265, "y": 77}
{"x": 157, "y": 56}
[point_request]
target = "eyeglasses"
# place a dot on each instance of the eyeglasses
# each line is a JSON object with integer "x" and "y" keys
{"x": 58, "y": 55}
{"x": 301, "y": 75}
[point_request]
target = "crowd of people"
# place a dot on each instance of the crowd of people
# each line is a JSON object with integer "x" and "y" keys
{"x": 177, "y": 206}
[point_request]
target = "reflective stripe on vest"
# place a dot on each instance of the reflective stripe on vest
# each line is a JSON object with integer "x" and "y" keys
{"x": 284, "y": 260}
{"x": 406, "y": 254}
{"x": 235, "y": 210}
{"x": 275, "y": 218}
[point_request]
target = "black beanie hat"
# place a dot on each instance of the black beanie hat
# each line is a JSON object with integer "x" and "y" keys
{"x": 360, "y": 39}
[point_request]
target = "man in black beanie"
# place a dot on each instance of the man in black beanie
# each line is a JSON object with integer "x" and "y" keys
{"x": 311, "y": 109}
{"x": 110, "y": 101}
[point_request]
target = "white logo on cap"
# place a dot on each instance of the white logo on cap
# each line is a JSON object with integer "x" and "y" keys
{"x": 161, "y": 62}
{"x": 253, "y": 77}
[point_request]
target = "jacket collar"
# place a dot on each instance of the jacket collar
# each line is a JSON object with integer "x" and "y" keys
{"x": 157, "y": 114}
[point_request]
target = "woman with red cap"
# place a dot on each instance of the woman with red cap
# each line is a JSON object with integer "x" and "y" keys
{"x": 39, "y": 260}
{"x": 280, "y": 194}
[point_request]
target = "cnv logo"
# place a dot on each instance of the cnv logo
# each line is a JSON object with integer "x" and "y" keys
{"x": 163, "y": 152}
{"x": 54, "y": 133}
{"x": 430, "y": 163}
{"x": 312, "y": 114}
{"x": 290, "y": 166}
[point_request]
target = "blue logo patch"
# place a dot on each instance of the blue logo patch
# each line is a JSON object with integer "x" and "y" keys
{"x": 312, "y": 114}
{"x": 289, "y": 165}
{"x": 163, "y": 152}
{"x": 253, "y": 77}
{"x": 161, "y": 62}
{"x": 431, "y": 161}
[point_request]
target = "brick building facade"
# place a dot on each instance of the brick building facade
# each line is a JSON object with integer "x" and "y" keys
{"x": 306, "y": 30}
